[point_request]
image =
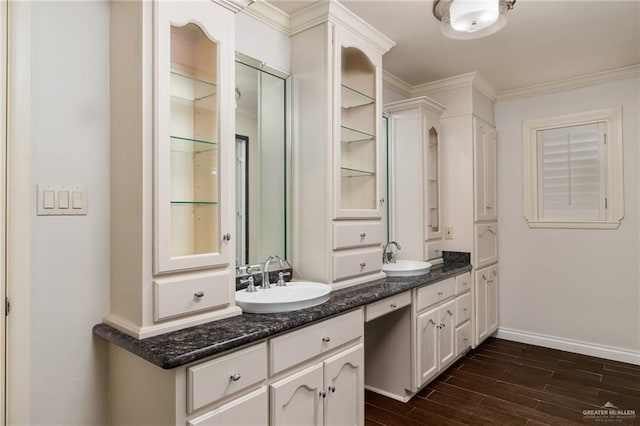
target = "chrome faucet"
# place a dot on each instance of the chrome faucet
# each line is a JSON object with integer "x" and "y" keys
{"x": 389, "y": 256}
{"x": 265, "y": 269}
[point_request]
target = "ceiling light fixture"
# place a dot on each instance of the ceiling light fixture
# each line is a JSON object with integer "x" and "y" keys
{"x": 470, "y": 19}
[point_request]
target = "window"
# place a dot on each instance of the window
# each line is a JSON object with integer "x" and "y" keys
{"x": 573, "y": 171}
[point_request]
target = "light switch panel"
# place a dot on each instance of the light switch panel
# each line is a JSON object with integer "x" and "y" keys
{"x": 61, "y": 200}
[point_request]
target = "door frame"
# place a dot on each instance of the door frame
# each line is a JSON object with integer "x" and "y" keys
{"x": 19, "y": 194}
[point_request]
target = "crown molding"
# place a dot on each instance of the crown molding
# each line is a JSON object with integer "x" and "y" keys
{"x": 269, "y": 15}
{"x": 569, "y": 83}
{"x": 419, "y": 102}
{"x": 473, "y": 79}
{"x": 234, "y": 5}
{"x": 396, "y": 84}
{"x": 332, "y": 11}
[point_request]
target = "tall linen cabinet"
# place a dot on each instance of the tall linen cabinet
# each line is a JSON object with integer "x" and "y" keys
{"x": 336, "y": 63}
{"x": 172, "y": 156}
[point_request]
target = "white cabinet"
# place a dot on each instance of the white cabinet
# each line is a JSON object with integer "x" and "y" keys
{"x": 435, "y": 341}
{"x": 484, "y": 156}
{"x": 172, "y": 144}
{"x": 299, "y": 399}
{"x": 336, "y": 65}
{"x": 486, "y": 244}
{"x": 414, "y": 175}
{"x": 486, "y": 302}
{"x": 249, "y": 410}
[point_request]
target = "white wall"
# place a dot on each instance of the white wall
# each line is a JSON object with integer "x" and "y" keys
{"x": 576, "y": 285}
{"x": 70, "y": 255}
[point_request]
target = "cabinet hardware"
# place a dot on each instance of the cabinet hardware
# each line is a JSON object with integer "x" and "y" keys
{"x": 439, "y": 293}
{"x": 465, "y": 339}
{"x": 442, "y": 325}
{"x": 199, "y": 294}
{"x": 326, "y": 339}
{"x": 323, "y": 394}
{"x": 382, "y": 200}
{"x": 393, "y": 305}
{"x": 363, "y": 264}
{"x": 363, "y": 235}
{"x": 332, "y": 389}
{"x": 464, "y": 309}
{"x": 494, "y": 273}
{"x": 226, "y": 237}
{"x": 235, "y": 377}
{"x": 484, "y": 277}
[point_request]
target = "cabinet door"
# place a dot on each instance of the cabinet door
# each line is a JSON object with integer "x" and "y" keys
{"x": 358, "y": 114}
{"x": 484, "y": 153}
{"x": 482, "y": 282}
{"x": 431, "y": 154}
{"x": 447, "y": 335}
{"x": 344, "y": 384}
{"x": 297, "y": 400}
{"x": 492, "y": 300}
{"x": 249, "y": 410}
{"x": 427, "y": 346}
{"x": 194, "y": 139}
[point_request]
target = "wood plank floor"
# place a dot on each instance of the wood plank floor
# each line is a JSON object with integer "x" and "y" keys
{"x": 509, "y": 383}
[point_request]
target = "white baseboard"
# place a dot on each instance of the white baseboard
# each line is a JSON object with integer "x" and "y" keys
{"x": 585, "y": 348}
{"x": 389, "y": 394}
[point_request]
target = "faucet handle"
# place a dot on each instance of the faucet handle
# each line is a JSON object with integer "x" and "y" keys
{"x": 281, "y": 282}
{"x": 251, "y": 288}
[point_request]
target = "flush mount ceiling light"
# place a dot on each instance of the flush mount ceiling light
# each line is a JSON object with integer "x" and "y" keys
{"x": 469, "y": 19}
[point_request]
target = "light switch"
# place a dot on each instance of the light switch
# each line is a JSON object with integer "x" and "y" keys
{"x": 77, "y": 199}
{"x": 63, "y": 199}
{"x": 49, "y": 199}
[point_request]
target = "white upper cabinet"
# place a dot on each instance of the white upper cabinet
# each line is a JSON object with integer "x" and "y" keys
{"x": 414, "y": 175}
{"x": 172, "y": 150}
{"x": 194, "y": 136}
{"x": 484, "y": 154}
{"x": 357, "y": 139}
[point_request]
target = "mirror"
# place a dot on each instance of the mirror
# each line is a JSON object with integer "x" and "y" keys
{"x": 261, "y": 161}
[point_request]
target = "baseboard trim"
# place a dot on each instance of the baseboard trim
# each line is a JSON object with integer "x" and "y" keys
{"x": 569, "y": 345}
{"x": 389, "y": 394}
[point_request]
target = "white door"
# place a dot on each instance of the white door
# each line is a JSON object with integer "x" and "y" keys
{"x": 447, "y": 342}
{"x": 249, "y": 410}
{"x": 344, "y": 384}
{"x": 492, "y": 300}
{"x": 481, "y": 305}
{"x": 298, "y": 400}
{"x": 427, "y": 346}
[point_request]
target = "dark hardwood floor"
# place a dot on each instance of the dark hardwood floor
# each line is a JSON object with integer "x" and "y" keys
{"x": 511, "y": 383}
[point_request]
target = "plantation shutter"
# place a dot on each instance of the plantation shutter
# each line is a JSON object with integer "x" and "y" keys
{"x": 571, "y": 173}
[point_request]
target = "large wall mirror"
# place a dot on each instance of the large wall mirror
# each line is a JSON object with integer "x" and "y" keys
{"x": 262, "y": 163}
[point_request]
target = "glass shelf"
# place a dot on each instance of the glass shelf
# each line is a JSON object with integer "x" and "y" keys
{"x": 180, "y": 144}
{"x": 191, "y": 88}
{"x": 349, "y": 135}
{"x": 194, "y": 203}
{"x": 348, "y": 172}
{"x": 352, "y": 98}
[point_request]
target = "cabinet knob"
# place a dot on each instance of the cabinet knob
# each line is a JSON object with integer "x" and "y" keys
{"x": 332, "y": 389}
{"x": 363, "y": 264}
{"x": 363, "y": 235}
{"x": 326, "y": 339}
{"x": 382, "y": 200}
{"x": 439, "y": 293}
{"x": 465, "y": 339}
{"x": 199, "y": 294}
{"x": 235, "y": 377}
{"x": 465, "y": 309}
{"x": 323, "y": 394}
{"x": 226, "y": 237}
{"x": 484, "y": 277}
{"x": 494, "y": 273}
{"x": 393, "y": 305}
{"x": 442, "y": 325}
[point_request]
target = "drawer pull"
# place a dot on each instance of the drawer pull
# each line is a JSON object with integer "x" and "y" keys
{"x": 363, "y": 264}
{"x": 332, "y": 389}
{"x": 226, "y": 237}
{"x": 494, "y": 273}
{"x": 464, "y": 309}
{"x": 465, "y": 339}
{"x": 484, "y": 277}
{"x": 326, "y": 339}
{"x": 235, "y": 377}
{"x": 439, "y": 293}
{"x": 363, "y": 235}
{"x": 393, "y": 305}
{"x": 199, "y": 294}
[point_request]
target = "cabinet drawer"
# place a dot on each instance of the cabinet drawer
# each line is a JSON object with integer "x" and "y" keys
{"x": 384, "y": 306}
{"x": 356, "y": 262}
{"x": 463, "y": 283}
{"x": 435, "y": 293}
{"x": 486, "y": 242}
{"x": 251, "y": 409}
{"x": 308, "y": 342}
{"x": 210, "y": 381}
{"x": 463, "y": 308}
{"x": 463, "y": 337}
{"x": 179, "y": 295}
{"x": 432, "y": 250}
{"x": 356, "y": 234}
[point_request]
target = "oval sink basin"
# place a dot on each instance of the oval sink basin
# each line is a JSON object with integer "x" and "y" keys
{"x": 294, "y": 296}
{"x": 406, "y": 268}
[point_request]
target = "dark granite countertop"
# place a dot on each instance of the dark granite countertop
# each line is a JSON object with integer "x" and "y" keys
{"x": 177, "y": 348}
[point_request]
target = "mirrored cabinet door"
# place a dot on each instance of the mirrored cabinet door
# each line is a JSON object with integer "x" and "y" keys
{"x": 432, "y": 184}
{"x": 193, "y": 138}
{"x": 357, "y": 194}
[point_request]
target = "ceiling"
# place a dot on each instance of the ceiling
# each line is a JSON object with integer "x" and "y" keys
{"x": 544, "y": 40}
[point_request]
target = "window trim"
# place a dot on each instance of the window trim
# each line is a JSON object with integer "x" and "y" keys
{"x": 613, "y": 167}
